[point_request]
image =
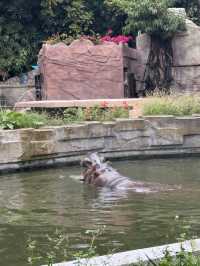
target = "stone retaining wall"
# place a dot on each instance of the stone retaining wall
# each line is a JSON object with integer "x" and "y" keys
{"x": 145, "y": 137}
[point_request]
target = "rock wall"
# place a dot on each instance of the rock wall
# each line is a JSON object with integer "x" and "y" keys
{"x": 186, "y": 68}
{"x": 147, "y": 137}
{"x": 18, "y": 89}
{"x": 81, "y": 70}
{"x": 11, "y": 94}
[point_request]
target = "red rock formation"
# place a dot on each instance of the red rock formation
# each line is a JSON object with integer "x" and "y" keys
{"x": 82, "y": 71}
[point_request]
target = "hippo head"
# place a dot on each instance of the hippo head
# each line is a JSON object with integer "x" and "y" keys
{"x": 94, "y": 165}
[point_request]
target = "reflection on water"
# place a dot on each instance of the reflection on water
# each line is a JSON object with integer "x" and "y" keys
{"x": 36, "y": 203}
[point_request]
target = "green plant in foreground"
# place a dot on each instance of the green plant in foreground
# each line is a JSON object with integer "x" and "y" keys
{"x": 57, "y": 248}
{"x": 182, "y": 258}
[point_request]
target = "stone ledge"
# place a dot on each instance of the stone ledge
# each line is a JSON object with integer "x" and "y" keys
{"x": 77, "y": 103}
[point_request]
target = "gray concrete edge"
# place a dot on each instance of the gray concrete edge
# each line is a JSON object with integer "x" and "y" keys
{"x": 137, "y": 256}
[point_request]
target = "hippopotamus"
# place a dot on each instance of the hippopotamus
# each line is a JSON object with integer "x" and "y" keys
{"x": 101, "y": 174}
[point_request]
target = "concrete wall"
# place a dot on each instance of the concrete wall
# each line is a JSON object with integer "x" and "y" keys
{"x": 151, "y": 136}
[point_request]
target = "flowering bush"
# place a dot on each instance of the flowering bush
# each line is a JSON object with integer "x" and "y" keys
{"x": 116, "y": 39}
{"x": 96, "y": 39}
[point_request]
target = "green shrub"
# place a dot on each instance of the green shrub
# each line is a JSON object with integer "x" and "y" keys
{"x": 13, "y": 120}
{"x": 73, "y": 114}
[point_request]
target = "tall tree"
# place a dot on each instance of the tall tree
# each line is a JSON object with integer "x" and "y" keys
{"x": 106, "y": 16}
{"x": 154, "y": 18}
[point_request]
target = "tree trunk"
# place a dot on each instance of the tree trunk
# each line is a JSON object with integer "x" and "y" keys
{"x": 158, "y": 74}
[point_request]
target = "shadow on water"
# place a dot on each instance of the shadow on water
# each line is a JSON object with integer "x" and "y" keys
{"x": 36, "y": 203}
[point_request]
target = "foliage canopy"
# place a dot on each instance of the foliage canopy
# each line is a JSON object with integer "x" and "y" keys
{"x": 25, "y": 24}
{"x": 151, "y": 16}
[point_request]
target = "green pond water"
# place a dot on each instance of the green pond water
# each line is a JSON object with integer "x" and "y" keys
{"x": 36, "y": 203}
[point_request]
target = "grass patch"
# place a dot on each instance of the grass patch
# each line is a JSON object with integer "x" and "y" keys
{"x": 172, "y": 105}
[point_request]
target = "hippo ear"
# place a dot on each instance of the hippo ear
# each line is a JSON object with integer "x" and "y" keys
{"x": 102, "y": 159}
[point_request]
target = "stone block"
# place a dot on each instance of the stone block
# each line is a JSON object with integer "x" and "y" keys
{"x": 186, "y": 78}
{"x": 84, "y": 131}
{"x": 188, "y": 125}
{"x": 11, "y": 151}
{"x": 96, "y": 129}
{"x": 41, "y": 148}
{"x": 186, "y": 46}
{"x": 26, "y": 135}
{"x": 9, "y": 136}
{"x": 160, "y": 121}
{"x": 192, "y": 141}
{"x": 129, "y": 124}
{"x": 43, "y": 134}
{"x": 81, "y": 145}
{"x": 128, "y": 143}
{"x": 166, "y": 137}
{"x": 73, "y": 131}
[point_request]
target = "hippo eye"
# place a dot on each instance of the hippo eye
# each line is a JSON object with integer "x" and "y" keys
{"x": 97, "y": 166}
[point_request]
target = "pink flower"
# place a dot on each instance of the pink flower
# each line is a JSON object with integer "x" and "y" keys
{"x": 104, "y": 104}
{"x": 106, "y": 38}
{"x": 110, "y": 31}
{"x": 116, "y": 39}
{"x": 125, "y": 105}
